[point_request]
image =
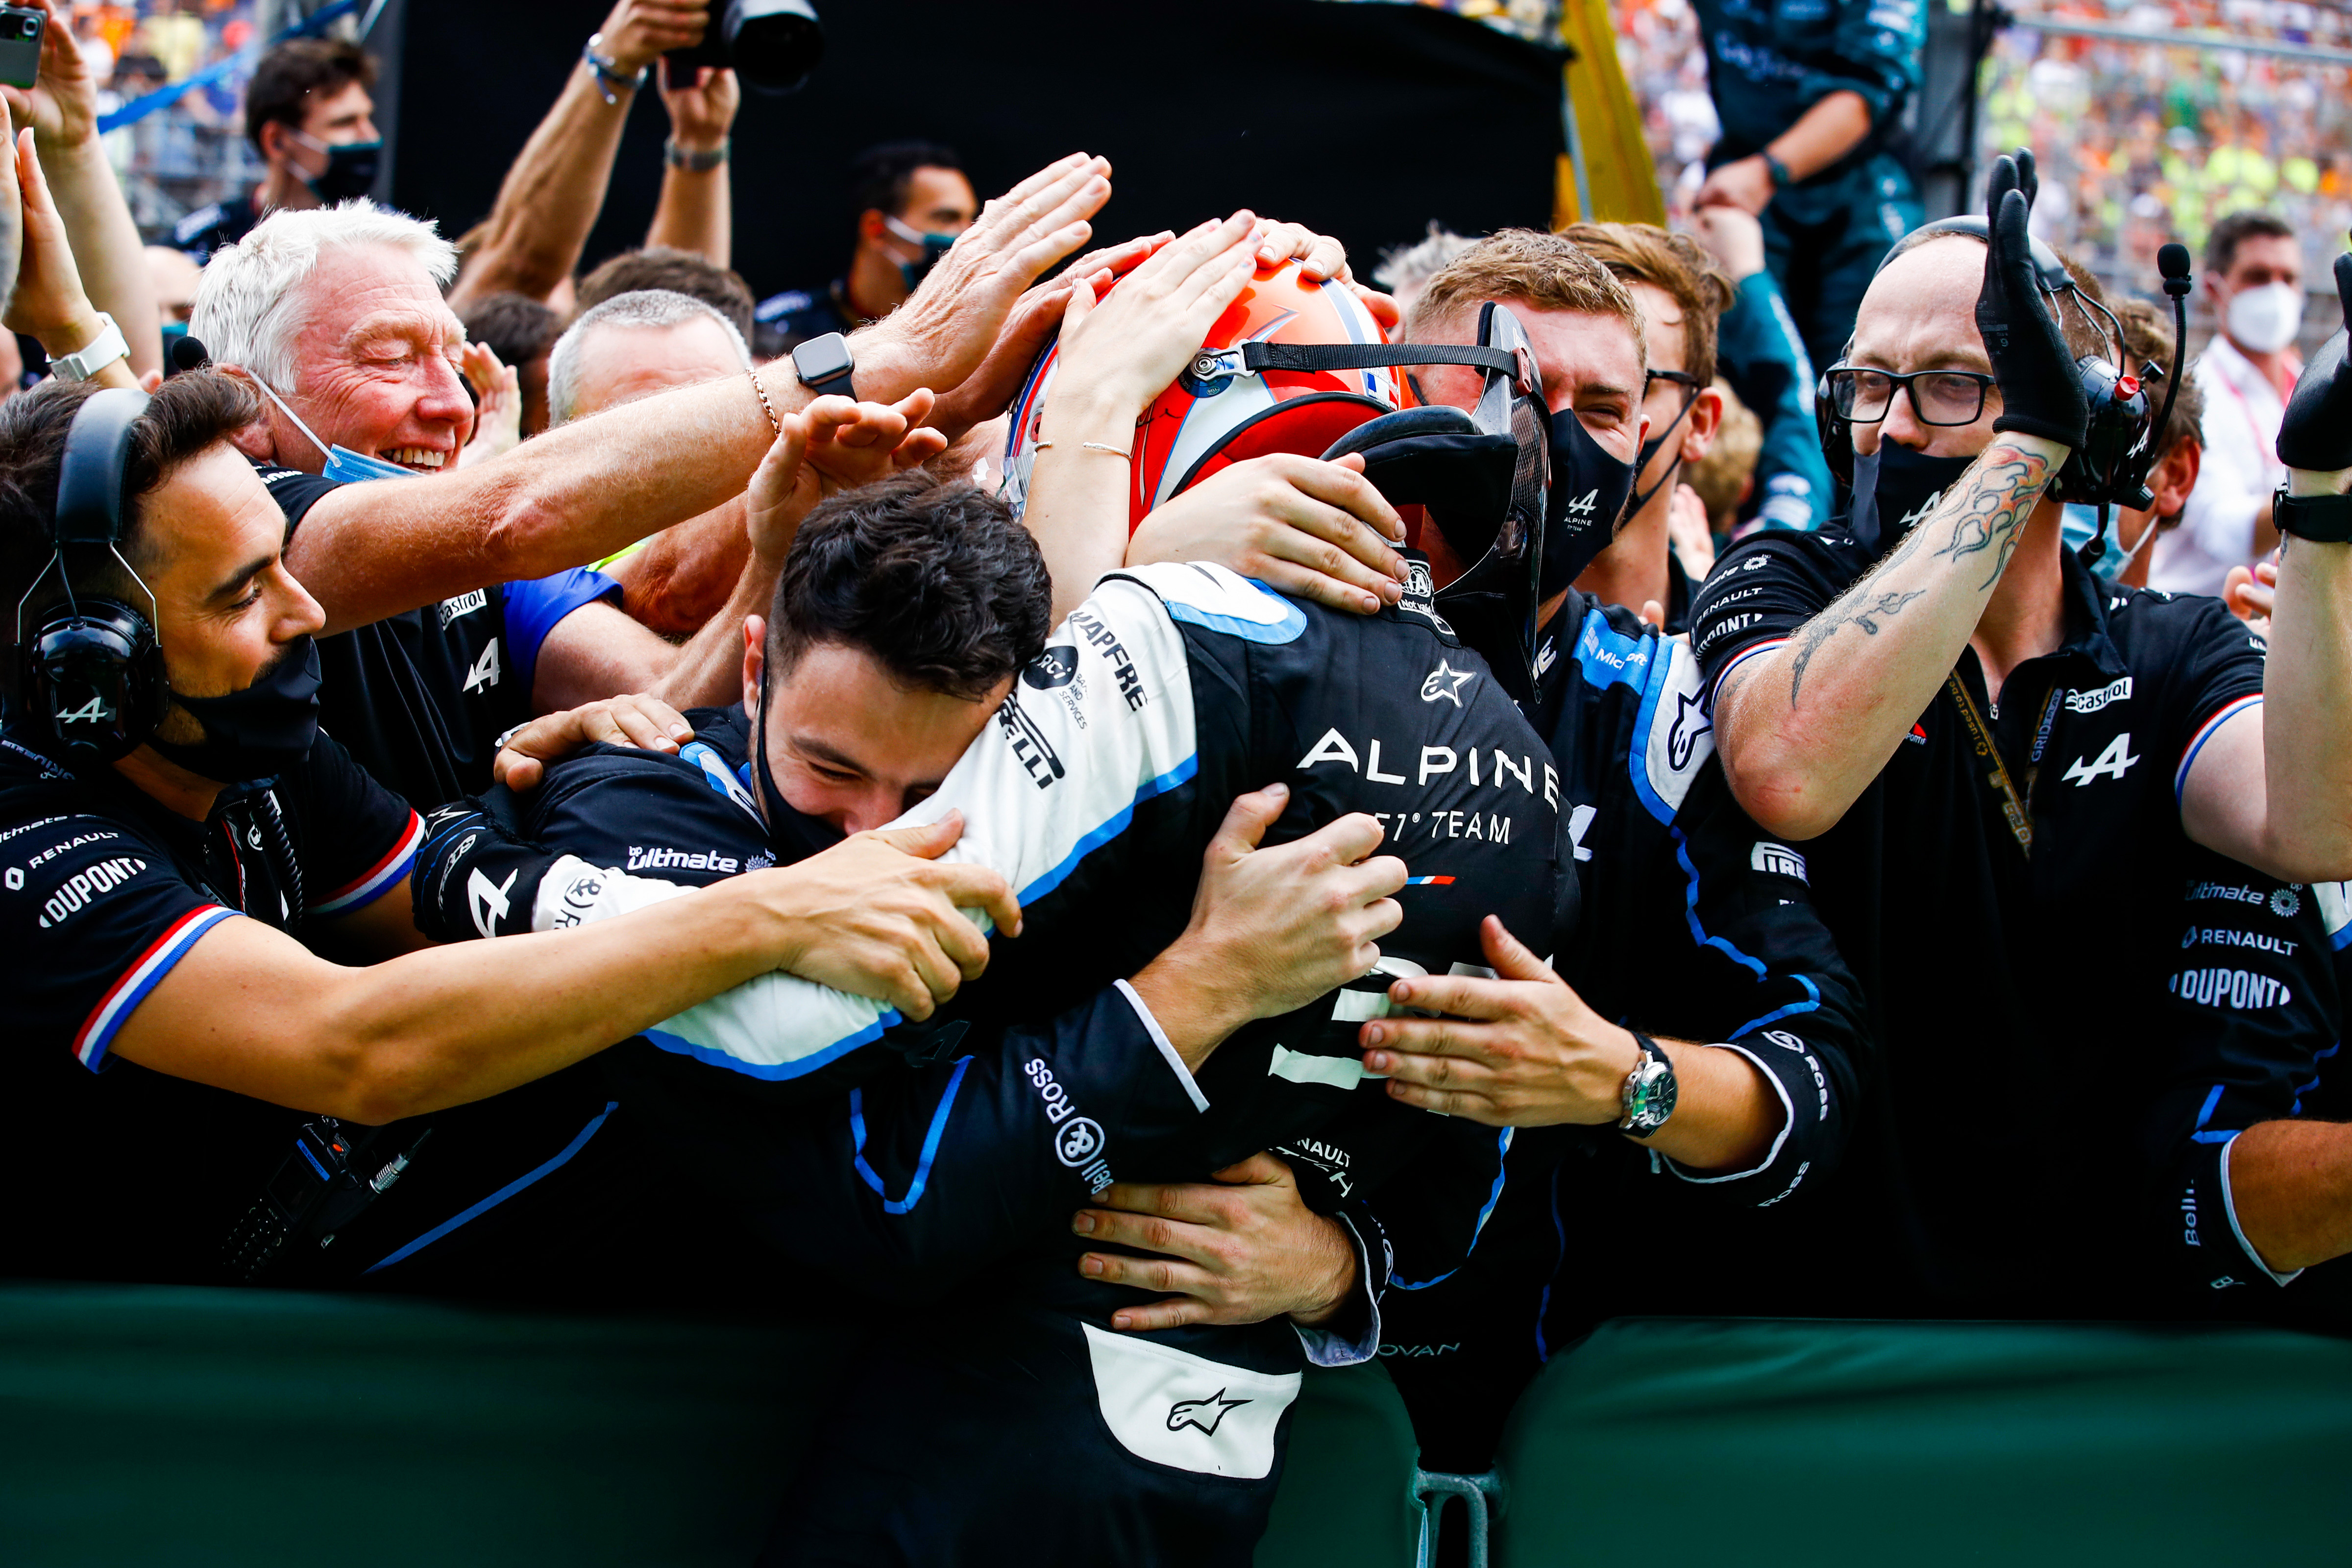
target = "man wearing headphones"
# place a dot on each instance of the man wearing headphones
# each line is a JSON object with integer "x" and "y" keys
{"x": 2003, "y": 766}
{"x": 176, "y": 836}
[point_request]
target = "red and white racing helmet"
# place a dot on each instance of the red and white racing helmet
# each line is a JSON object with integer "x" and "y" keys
{"x": 1220, "y": 411}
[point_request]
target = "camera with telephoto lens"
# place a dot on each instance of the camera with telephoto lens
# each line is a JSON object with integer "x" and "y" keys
{"x": 773, "y": 44}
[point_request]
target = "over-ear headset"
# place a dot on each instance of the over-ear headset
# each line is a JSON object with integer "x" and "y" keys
{"x": 90, "y": 677}
{"x": 2111, "y": 466}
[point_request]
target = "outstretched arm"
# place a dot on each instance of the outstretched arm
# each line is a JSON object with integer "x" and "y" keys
{"x": 62, "y": 109}
{"x": 582, "y": 492}
{"x": 2273, "y": 786}
{"x": 696, "y": 210}
{"x": 552, "y": 193}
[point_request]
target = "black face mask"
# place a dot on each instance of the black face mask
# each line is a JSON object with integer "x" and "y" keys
{"x": 794, "y": 835}
{"x": 1895, "y": 487}
{"x": 1589, "y": 488}
{"x": 1650, "y": 448}
{"x": 259, "y": 733}
{"x": 350, "y": 171}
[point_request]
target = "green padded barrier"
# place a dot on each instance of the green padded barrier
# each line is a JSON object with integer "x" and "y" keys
{"x": 1347, "y": 1485}
{"x": 252, "y": 1429}
{"x": 1763, "y": 1443}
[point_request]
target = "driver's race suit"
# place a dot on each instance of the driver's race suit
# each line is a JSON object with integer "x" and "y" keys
{"x": 888, "y": 1159}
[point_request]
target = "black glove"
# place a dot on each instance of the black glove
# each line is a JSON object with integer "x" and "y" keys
{"x": 2317, "y": 434}
{"x": 2041, "y": 394}
{"x": 477, "y": 874}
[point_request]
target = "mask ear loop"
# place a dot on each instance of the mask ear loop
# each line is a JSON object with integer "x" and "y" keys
{"x": 1650, "y": 450}
{"x": 312, "y": 435}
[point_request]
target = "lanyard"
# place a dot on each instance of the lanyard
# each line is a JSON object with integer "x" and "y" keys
{"x": 2013, "y": 803}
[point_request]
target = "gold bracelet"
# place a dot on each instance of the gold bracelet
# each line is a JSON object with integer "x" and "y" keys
{"x": 775, "y": 424}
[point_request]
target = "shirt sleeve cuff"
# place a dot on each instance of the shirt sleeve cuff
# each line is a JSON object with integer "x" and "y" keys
{"x": 1779, "y": 1138}
{"x": 2229, "y": 1206}
{"x": 1335, "y": 1344}
{"x": 1159, "y": 1038}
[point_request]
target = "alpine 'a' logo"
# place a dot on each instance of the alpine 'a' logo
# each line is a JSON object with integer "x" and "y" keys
{"x": 1586, "y": 507}
{"x": 1205, "y": 1413}
{"x": 487, "y": 900}
{"x": 94, "y": 711}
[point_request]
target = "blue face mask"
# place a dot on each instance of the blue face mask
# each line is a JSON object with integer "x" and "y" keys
{"x": 934, "y": 247}
{"x": 344, "y": 465}
{"x": 2081, "y": 525}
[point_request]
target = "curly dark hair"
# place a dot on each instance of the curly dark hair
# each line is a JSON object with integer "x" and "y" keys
{"x": 188, "y": 415}
{"x": 935, "y": 580}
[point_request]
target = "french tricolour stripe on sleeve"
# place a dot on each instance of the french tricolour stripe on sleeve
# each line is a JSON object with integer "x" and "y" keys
{"x": 377, "y": 880}
{"x": 1742, "y": 657}
{"x": 2221, "y": 715}
{"x": 98, "y": 1029}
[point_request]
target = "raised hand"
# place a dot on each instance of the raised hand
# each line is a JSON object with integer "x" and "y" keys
{"x": 1121, "y": 353}
{"x": 946, "y": 327}
{"x": 2316, "y": 435}
{"x": 832, "y": 445}
{"x": 61, "y": 106}
{"x": 637, "y": 30}
{"x": 701, "y": 104}
{"x": 2039, "y": 393}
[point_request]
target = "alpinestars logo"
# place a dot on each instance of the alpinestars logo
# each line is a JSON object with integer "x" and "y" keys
{"x": 1447, "y": 682}
{"x": 1204, "y": 1414}
{"x": 1683, "y": 738}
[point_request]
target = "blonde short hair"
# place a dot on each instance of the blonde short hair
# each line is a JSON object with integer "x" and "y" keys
{"x": 1673, "y": 263}
{"x": 1524, "y": 266}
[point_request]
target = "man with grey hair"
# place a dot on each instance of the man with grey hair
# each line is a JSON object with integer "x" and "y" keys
{"x": 1405, "y": 269}
{"x": 336, "y": 314}
{"x": 632, "y": 346}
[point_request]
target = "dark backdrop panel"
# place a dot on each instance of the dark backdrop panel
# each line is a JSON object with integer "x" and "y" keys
{"x": 1365, "y": 122}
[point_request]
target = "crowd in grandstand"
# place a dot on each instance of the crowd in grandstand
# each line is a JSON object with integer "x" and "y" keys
{"x": 1007, "y": 783}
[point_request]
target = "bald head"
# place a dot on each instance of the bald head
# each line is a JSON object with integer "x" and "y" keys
{"x": 1920, "y": 314}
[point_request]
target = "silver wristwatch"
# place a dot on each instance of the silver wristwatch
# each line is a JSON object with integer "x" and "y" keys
{"x": 1648, "y": 1097}
{"x": 103, "y": 350}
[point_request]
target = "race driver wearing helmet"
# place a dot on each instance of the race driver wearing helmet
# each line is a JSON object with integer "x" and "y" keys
{"x": 1696, "y": 928}
{"x": 1096, "y": 784}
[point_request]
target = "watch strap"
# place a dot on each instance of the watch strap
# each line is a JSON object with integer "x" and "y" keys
{"x": 695, "y": 160}
{"x": 1781, "y": 178}
{"x": 1637, "y": 1120}
{"x": 2323, "y": 519}
{"x": 826, "y": 382}
{"x": 103, "y": 350}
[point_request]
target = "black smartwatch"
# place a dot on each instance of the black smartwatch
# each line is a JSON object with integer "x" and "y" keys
{"x": 823, "y": 365}
{"x": 2323, "y": 519}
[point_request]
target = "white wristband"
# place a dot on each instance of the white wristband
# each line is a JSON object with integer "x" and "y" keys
{"x": 103, "y": 350}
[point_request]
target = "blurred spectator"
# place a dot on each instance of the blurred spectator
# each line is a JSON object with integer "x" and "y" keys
{"x": 2253, "y": 271}
{"x": 520, "y": 332}
{"x": 1405, "y": 270}
{"x": 549, "y": 199}
{"x": 2180, "y": 456}
{"x": 174, "y": 276}
{"x": 1807, "y": 92}
{"x": 1725, "y": 477}
{"x": 911, "y": 200}
{"x": 681, "y": 272}
{"x": 61, "y": 108}
{"x": 1763, "y": 356}
{"x": 309, "y": 114}
{"x": 628, "y": 347}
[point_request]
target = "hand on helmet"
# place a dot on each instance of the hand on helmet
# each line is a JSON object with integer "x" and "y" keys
{"x": 2039, "y": 393}
{"x": 1120, "y": 354}
{"x": 2316, "y": 435}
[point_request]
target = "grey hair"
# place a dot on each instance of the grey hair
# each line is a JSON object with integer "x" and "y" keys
{"x": 250, "y": 304}
{"x": 1405, "y": 269}
{"x": 641, "y": 308}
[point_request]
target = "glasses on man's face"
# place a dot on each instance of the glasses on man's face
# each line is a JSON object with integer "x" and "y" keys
{"x": 1862, "y": 396}
{"x": 1690, "y": 384}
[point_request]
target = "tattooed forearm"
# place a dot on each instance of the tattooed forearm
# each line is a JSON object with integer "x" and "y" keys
{"x": 1862, "y": 608}
{"x": 1994, "y": 503}
{"x": 1988, "y": 510}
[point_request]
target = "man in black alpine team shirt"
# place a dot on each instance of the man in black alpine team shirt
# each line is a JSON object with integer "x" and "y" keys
{"x": 178, "y": 838}
{"x": 2005, "y": 766}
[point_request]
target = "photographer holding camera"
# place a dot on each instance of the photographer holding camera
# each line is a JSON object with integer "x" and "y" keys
{"x": 2003, "y": 764}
